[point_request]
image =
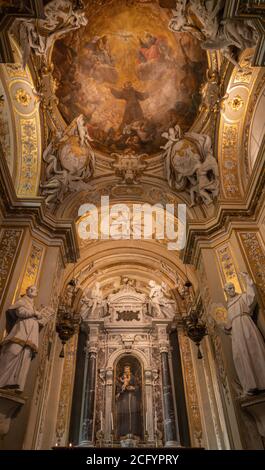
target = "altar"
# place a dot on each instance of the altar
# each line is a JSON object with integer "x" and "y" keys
{"x": 125, "y": 388}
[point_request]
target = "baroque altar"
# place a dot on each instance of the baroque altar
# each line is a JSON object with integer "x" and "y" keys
{"x": 127, "y": 397}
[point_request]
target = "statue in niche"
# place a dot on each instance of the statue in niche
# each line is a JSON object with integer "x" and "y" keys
{"x": 247, "y": 342}
{"x": 204, "y": 20}
{"x": 92, "y": 303}
{"x": 128, "y": 399}
{"x": 21, "y": 344}
{"x": 190, "y": 165}
{"x": 160, "y": 305}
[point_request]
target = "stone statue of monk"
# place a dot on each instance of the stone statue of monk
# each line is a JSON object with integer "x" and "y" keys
{"x": 247, "y": 342}
{"x": 22, "y": 341}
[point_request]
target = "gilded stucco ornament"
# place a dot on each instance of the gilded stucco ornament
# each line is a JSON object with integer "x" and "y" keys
{"x": 22, "y": 97}
{"x": 129, "y": 166}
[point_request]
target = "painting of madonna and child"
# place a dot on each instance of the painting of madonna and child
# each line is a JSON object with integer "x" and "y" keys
{"x": 129, "y": 76}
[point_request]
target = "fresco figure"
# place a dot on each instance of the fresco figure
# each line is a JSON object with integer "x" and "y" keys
{"x": 133, "y": 111}
{"x": 149, "y": 48}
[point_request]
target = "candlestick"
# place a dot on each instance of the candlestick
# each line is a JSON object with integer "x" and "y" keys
{"x": 112, "y": 425}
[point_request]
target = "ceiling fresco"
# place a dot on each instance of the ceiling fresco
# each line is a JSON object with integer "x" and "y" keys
{"x": 129, "y": 76}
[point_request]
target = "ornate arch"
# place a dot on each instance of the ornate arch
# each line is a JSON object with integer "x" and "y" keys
{"x": 234, "y": 126}
{"x": 117, "y": 355}
{"x": 21, "y": 137}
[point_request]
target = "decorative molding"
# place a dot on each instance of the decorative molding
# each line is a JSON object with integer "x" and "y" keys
{"x": 65, "y": 399}
{"x": 46, "y": 358}
{"x": 255, "y": 255}
{"x": 33, "y": 266}
{"x": 229, "y": 159}
{"x": 204, "y": 287}
{"x": 191, "y": 391}
{"x": 28, "y": 181}
{"x": 10, "y": 241}
{"x": 253, "y": 100}
{"x": 227, "y": 265}
{"x": 6, "y": 128}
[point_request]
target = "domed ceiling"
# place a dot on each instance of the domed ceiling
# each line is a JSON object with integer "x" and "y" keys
{"x": 129, "y": 76}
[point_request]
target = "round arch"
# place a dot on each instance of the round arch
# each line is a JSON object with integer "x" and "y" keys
{"x": 21, "y": 138}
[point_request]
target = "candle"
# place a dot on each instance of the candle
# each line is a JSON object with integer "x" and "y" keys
{"x": 112, "y": 426}
{"x": 101, "y": 421}
{"x": 70, "y": 445}
{"x": 155, "y": 420}
{"x": 146, "y": 420}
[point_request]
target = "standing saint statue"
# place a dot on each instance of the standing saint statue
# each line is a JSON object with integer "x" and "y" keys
{"x": 159, "y": 304}
{"x": 20, "y": 345}
{"x": 92, "y": 303}
{"x": 133, "y": 111}
{"x": 128, "y": 404}
{"x": 247, "y": 343}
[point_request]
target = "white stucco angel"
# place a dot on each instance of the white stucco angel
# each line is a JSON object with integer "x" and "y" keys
{"x": 93, "y": 304}
{"x": 21, "y": 343}
{"x": 206, "y": 184}
{"x": 160, "y": 305}
{"x": 190, "y": 165}
{"x": 38, "y": 35}
{"x": 248, "y": 345}
{"x": 70, "y": 162}
{"x": 205, "y": 21}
